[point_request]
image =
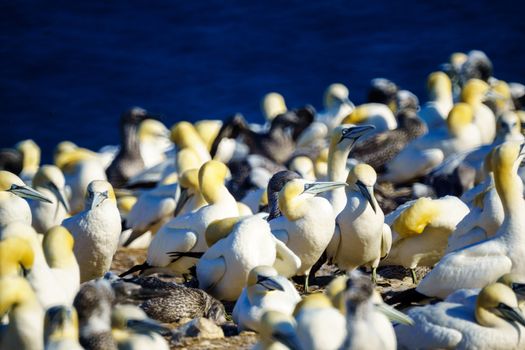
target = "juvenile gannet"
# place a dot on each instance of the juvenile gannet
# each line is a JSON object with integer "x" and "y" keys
{"x": 128, "y": 162}
{"x": 383, "y": 91}
{"x": 490, "y": 320}
{"x": 16, "y": 257}
{"x": 420, "y": 231}
{"x": 265, "y": 290}
{"x": 237, "y": 245}
{"x": 367, "y": 328}
{"x": 133, "y": 330}
{"x": 376, "y": 114}
{"x": 31, "y": 159}
{"x": 474, "y": 92}
{"x": 423, "y": 154}
{"x": 475, "y": 65}
{"x": 11, "y": 160}
{"x": 58, "y": 250}
{"x": 26, "y": 315}
{"x": 49, "y": 181}
{"x": 480, "y": 264}
{"x": 12, "y": 205}
{"x": 434, "y": 112}
{"x": 361, "y": 236}
{"x": 277, "y": 332}
{"x": 185, "y": 233}
{"x": 308, "y": 222}
{"x": 343, "y": 139}
{"x": 96, "y": 230}
{"x": 319, "y": 324}
{"x": 61, "y": 329}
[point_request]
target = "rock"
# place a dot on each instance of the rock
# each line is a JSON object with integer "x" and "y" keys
{"x": 201, "y": 328}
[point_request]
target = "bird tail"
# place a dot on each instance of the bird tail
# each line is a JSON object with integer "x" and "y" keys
{"x": 141, "y": 268}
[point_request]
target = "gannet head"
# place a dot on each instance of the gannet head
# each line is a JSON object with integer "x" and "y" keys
{"x": 275, "y": 185}
{"x": 508, "y": 123}
{"x": 58, "y": 246}
{"x": 272, "y": 105}
{"x": 152, "y": 129}
{"x": 501, "y": 95}
{"x": 15, "y": 291}
{"x": 474, "y": 91}
{"x": 344, "y": 136}
{"x": 211, "y": 178}
{"x": 208, "y": 131}
{"x": 184, "y": 134}
{"x": 439, "y": 85}
{"x": 312, "y": 301}
{"x": 261, "y": 281}
{"x": 362, "y": 178}
{"x": 15, "y": 253}
{"x": 335, "y": 291}
{"x": 278, "y": 327}
{"x": 416, "y": 218}
{"x": 219, "y": 229}
{"x": 460, "y": 116}
{"x": 60, "y": 323}
{"x": 31, "y": 154}
{"x": 97, "y": 192}
{"x": 304, "y": 166}
{"x": 457, "y": 59}
{"x": 335, "y": 95}
{"x": 496, "y": 304}
{"x": 9, "y": 182}
{"x": 52, "y": 178}
{"x": 187, "y": 159}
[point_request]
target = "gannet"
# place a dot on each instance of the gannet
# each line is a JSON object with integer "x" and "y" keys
{"x": 383, "y": 91}
{"x": 367, "y": 328}
{"x": 185, "y": 233}
{"x": 376, "y": 114}
{"x": 16, "y": 257}
{"x": 154, "y": 142}
{"x": 191, "y": 198}
{"x": 61, "y": 329}
{"x": 275, "y": 185}
{"x": 475, "y": 65}
{"x": 474, "y": 92}
{"x": 319, "y": 324}
{"x": 490, "y": 320}
{"x": 361, "y": 236}
{"x": 308, "y": 222}
{"x": 96, "y": 230}
{"x": 477, "y": 265}
{"x": 184, "y": 135}
{"x": 58, "y": 250}
{"x": 128, "y": 162}
{"x": 12, "y": 205}
{"x": 208, "y": 129}
{"x": 248, "y": 242}
{"x": 277, "y": 332}
{"x": 434, "y": 112}
{"x": 265, "y": 290}
{"x": 304, "y": 166}
{"x": 26, "y": 315}
{"x": 49, "y": 181}
{"x": 31, "y": 159}
{"x": 337, "y": 106}
{"x": 343, "y": 139}
{"x": 272, "y": 105}
{"x": 420, "y": 231}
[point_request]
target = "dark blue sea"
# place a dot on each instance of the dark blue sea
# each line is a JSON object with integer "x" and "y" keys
{"x": 68, "y": 69}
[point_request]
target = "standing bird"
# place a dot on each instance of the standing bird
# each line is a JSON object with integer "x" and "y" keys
{"x": 434, "y": 112}
{"x": 474, "y": 92}
{"x": 49, "y": 181}
{"x": 61, "y": 329}
{"x": 336, "y": 106}
{"x": 128, "y": 161}
{"x": 96, "y": 230}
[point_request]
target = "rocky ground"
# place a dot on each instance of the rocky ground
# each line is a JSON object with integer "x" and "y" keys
{"x": 391, "y": 280}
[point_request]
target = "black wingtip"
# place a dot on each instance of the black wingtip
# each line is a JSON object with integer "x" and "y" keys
{"x": 406, "y": 297}
{"x": 141, "y": 268}
{"x": 177, "y": 255}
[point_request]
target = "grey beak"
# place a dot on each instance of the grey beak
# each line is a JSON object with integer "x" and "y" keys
{"x": 510, "y": 313}
{"x": 60, "y": 196}
{"x": 368, "y": 193}
{"x": 355, "y": 132}
{"x": 28, "y": 192}
{"x": 269, "y": 283}
{"x": 319, "y": 187}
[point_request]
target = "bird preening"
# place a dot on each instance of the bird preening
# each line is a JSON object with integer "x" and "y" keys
{"x": 381, "y": 225}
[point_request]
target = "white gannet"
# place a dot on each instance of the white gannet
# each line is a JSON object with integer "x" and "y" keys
{"x": 377, "y": 114}
{"x": 367, "y": 327}
{"x": 154, "y": 142}
{"x": 435, "y": 111}
{"x": 423, "y": 154}
{"x": 190, "y": 198}
{"x": 26, "y": 315}
{"x": 265, "y": 290}
{"x": 308, "y": 222}
{"x": 420, "y": 231}
{"x": 184, "y": 135}
{"x": 272, "y": 105}
{"x": 96, "y": 230}
{"x": 185, "y": 233}
{"x": 224, "y": 268}
{"x": 49, "y": 181}
{"x": 208, "y": 129}
{"x": 337, "y": 106}
{"x": 31, "y": 159}
{"x": 480, "y": 264}
{"x": 474, "y": 92}
{"x": 277, "y": 332}
{"x": 490, "y": 320}
{"x": 12, "y": 205}
{"x": 16, "y": 257}
{"x": 319, "y": 324}
{"x": 342, "y": 141}
{"x": 61, "y": 329}
{"x": 58, "y": 250}
{"x": 361, "y": 236}
{"x": 47, "y": 289}
{"x": 132, "y": 329}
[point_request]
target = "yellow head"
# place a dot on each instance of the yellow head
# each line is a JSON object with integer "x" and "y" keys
{"x": 15, "y": 292}
{"x": 272, "y": 105}
{"x": 184, "y": 134}
{"x": 504, "y": 163}
{"x": 259, "y": 271}
{"x": 67, "y": 156}
{"x": 362, "y": 173}
{"x": 97, "y": 192}
{"x": 15, "y": 252}
{"x": 503, "y": 96}
{"x": 313, "y": 301}
{"x": 60, "y": 323}
{"x": 304, "y": 166}
{"x": 415, "y": 218}
{"x": 334, "y": 95}
{"x": 219, "y": 229}
{"x": 474, "y": 91}
{"x": 187, "y": 159}
{"x": 58, "y": 247}
{"x": 7, "y": 179}
{"x": 278, "y": 327}
{"x": 439, "y": 85}
{"x": 496, "y": 304}
{"x": 287, "y": 195}
{"x": 335, "y": 291}
{"x": 49, "y": 174}
{"x": 358, "y": 115}
{"x": 152, "y": 129}
{"x": 208, "y": 131}
{"x": 190, "y": 179}
{"x": 457, "y": 59}
{"x": 460, "y": 116}
{"x": 211, "y": 180}
{"x": 31, "y": 154}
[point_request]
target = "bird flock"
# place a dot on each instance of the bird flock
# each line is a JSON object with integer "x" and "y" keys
{"x": 286, "y": 229}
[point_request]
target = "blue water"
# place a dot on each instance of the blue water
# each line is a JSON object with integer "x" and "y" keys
{"x": 67, "y": 69}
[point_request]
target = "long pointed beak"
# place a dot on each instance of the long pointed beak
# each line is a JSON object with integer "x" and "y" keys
{"x": 28, "y": 192}
{"x": 355, "y": 132}
{"x": 60, "y": 196}
{"x": 393, "y": 314}
{"x": 269, "y": 283}
{"x": 492, "y": 95}
{"x": 319, "y": 187}
{"x": 368, "y": 193}
{"x": 511, "y": 313}
{"x": 98, "y": 198}
{"x": 183, "y": 199}
{"x": 147, "y": 325}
